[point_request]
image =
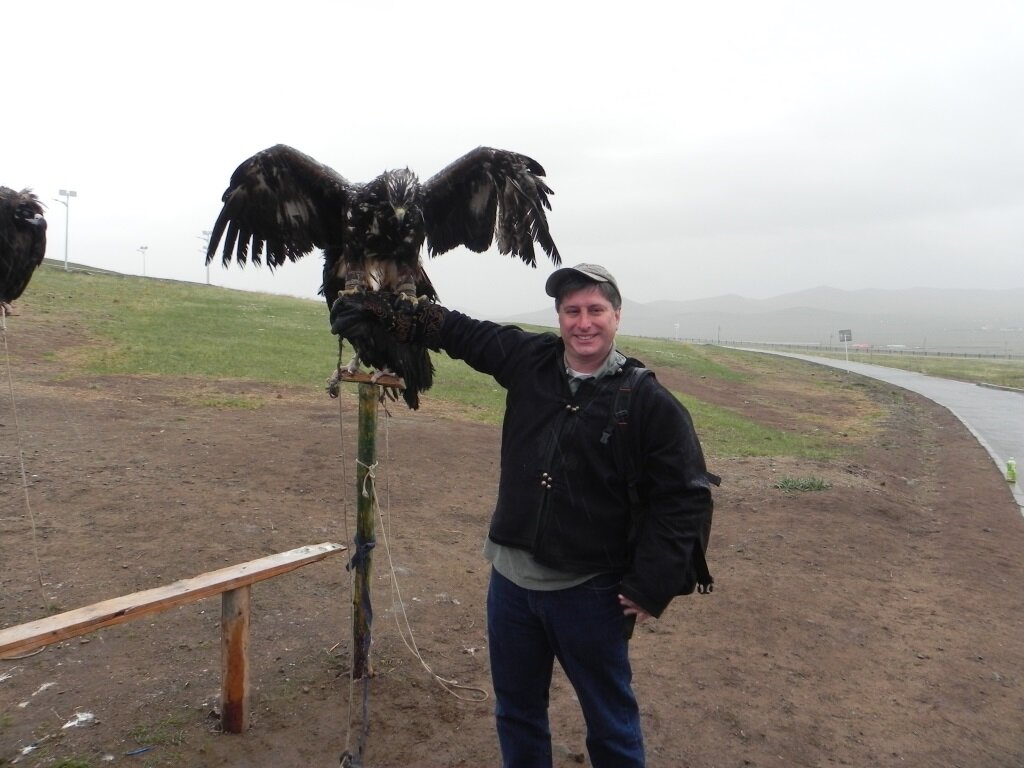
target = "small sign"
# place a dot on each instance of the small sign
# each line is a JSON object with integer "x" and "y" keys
{"x": 846, "y": 335}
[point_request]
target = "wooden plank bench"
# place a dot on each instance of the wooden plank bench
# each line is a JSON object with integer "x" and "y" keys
{"x": 234, "y": 584}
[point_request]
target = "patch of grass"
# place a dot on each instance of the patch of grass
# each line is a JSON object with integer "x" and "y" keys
{"x": 802, "y": 484}
{"x": 241, "y": 403}
{"x": 73, "y": 762}
{"x": 167, "y": 732}
{"x": 180, "y": 329}
{"x": 699, "y": 361}
{"x": 479, "y": 395}
{"x": 725, "y": 433}
{"x": 1002, "y": 373}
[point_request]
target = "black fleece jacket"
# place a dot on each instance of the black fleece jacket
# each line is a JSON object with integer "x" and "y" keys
{"x": 561, "y": 496}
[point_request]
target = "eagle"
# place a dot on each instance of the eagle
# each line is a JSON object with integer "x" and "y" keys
{"x": 22, "y": 241}
{"x": 281, "y": 204}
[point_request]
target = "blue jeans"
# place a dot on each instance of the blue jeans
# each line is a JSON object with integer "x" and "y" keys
{"x": 583, "y": 628}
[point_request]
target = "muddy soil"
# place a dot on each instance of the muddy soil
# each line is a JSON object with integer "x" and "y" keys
{"x": 874, "y": 623}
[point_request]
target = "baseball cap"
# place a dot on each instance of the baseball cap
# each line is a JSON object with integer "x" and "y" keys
{"x": 594, "y": 272}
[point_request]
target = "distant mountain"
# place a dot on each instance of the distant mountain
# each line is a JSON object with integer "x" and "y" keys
{"x": 952, "y": 319}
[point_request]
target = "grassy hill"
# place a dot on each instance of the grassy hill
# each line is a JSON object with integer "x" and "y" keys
{"x": 119, "y": 325}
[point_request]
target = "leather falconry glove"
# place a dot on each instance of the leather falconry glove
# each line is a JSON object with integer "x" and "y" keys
{"x": 416, "y": 321}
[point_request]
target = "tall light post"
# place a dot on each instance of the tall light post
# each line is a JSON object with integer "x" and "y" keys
{"x": 67, "y": 194}
{"x": 206, "y": 246}
{"x": 142, "y": 249}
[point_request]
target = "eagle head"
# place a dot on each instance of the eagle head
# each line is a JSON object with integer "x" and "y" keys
{"x": 29, "y": 210}
{"x": 402, "y": 188}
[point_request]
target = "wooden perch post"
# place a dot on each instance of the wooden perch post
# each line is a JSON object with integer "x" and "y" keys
{"x": 234, "y": 622}
{"x": 362, "y": 609}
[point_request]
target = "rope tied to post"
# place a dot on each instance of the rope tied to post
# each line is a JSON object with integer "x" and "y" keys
{"x": 369, "y": 477}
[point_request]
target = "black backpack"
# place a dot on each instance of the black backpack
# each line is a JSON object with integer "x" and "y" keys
{"x": 699, "y": 579}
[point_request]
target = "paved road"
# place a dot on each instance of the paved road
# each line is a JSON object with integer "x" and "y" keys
{"x": 994, "y": 416}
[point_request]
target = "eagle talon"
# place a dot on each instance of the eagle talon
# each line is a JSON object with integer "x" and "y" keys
{"x": 378, "y": 375}
{"x": 355, "y": 282}
{"x": 341, "y": 373}
{"x": 408, "y": 298}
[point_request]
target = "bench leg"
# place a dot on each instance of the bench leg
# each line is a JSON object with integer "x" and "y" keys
{"x": 234, "y": 620}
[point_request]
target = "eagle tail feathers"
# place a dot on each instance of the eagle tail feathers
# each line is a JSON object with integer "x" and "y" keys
{"x": 377, "y": 348}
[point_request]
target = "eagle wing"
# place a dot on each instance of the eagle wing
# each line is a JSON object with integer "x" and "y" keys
{"x": 22, "y": 240}
{"x": 283, "y": 203}
{"x": 486, "y": 195}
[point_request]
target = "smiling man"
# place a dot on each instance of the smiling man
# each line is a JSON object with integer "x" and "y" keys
{"x": 580, "y": 547}
{"x": 589, "y": 306}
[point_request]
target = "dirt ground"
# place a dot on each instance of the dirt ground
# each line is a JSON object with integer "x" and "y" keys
{"x": 875, "y": 623}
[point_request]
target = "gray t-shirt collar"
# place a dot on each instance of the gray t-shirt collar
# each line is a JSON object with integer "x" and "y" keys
{"x": 612, "y": 364}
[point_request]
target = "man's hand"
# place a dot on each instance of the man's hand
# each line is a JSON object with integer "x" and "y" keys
{"x": 632, "y": 609}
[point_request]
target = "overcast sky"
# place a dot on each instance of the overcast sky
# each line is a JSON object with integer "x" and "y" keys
{"x": 695, "y": 148}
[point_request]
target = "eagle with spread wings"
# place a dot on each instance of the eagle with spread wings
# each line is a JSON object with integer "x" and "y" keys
{"x": 22, "y": 241}
{"x": 281, "y": 204}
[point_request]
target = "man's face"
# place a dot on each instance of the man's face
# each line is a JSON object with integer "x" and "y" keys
{"x": 588, "y": 324}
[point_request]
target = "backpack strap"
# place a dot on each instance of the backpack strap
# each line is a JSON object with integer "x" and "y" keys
{"x": 618, "y": 418}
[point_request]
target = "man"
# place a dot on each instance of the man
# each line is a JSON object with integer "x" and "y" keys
{"x": 573, "y": 565}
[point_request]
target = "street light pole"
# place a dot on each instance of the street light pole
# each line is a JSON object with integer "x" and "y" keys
{"x": 67, "y": 194}
{"x": 206, "y": 247}
{"x": 142, "y": 249}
